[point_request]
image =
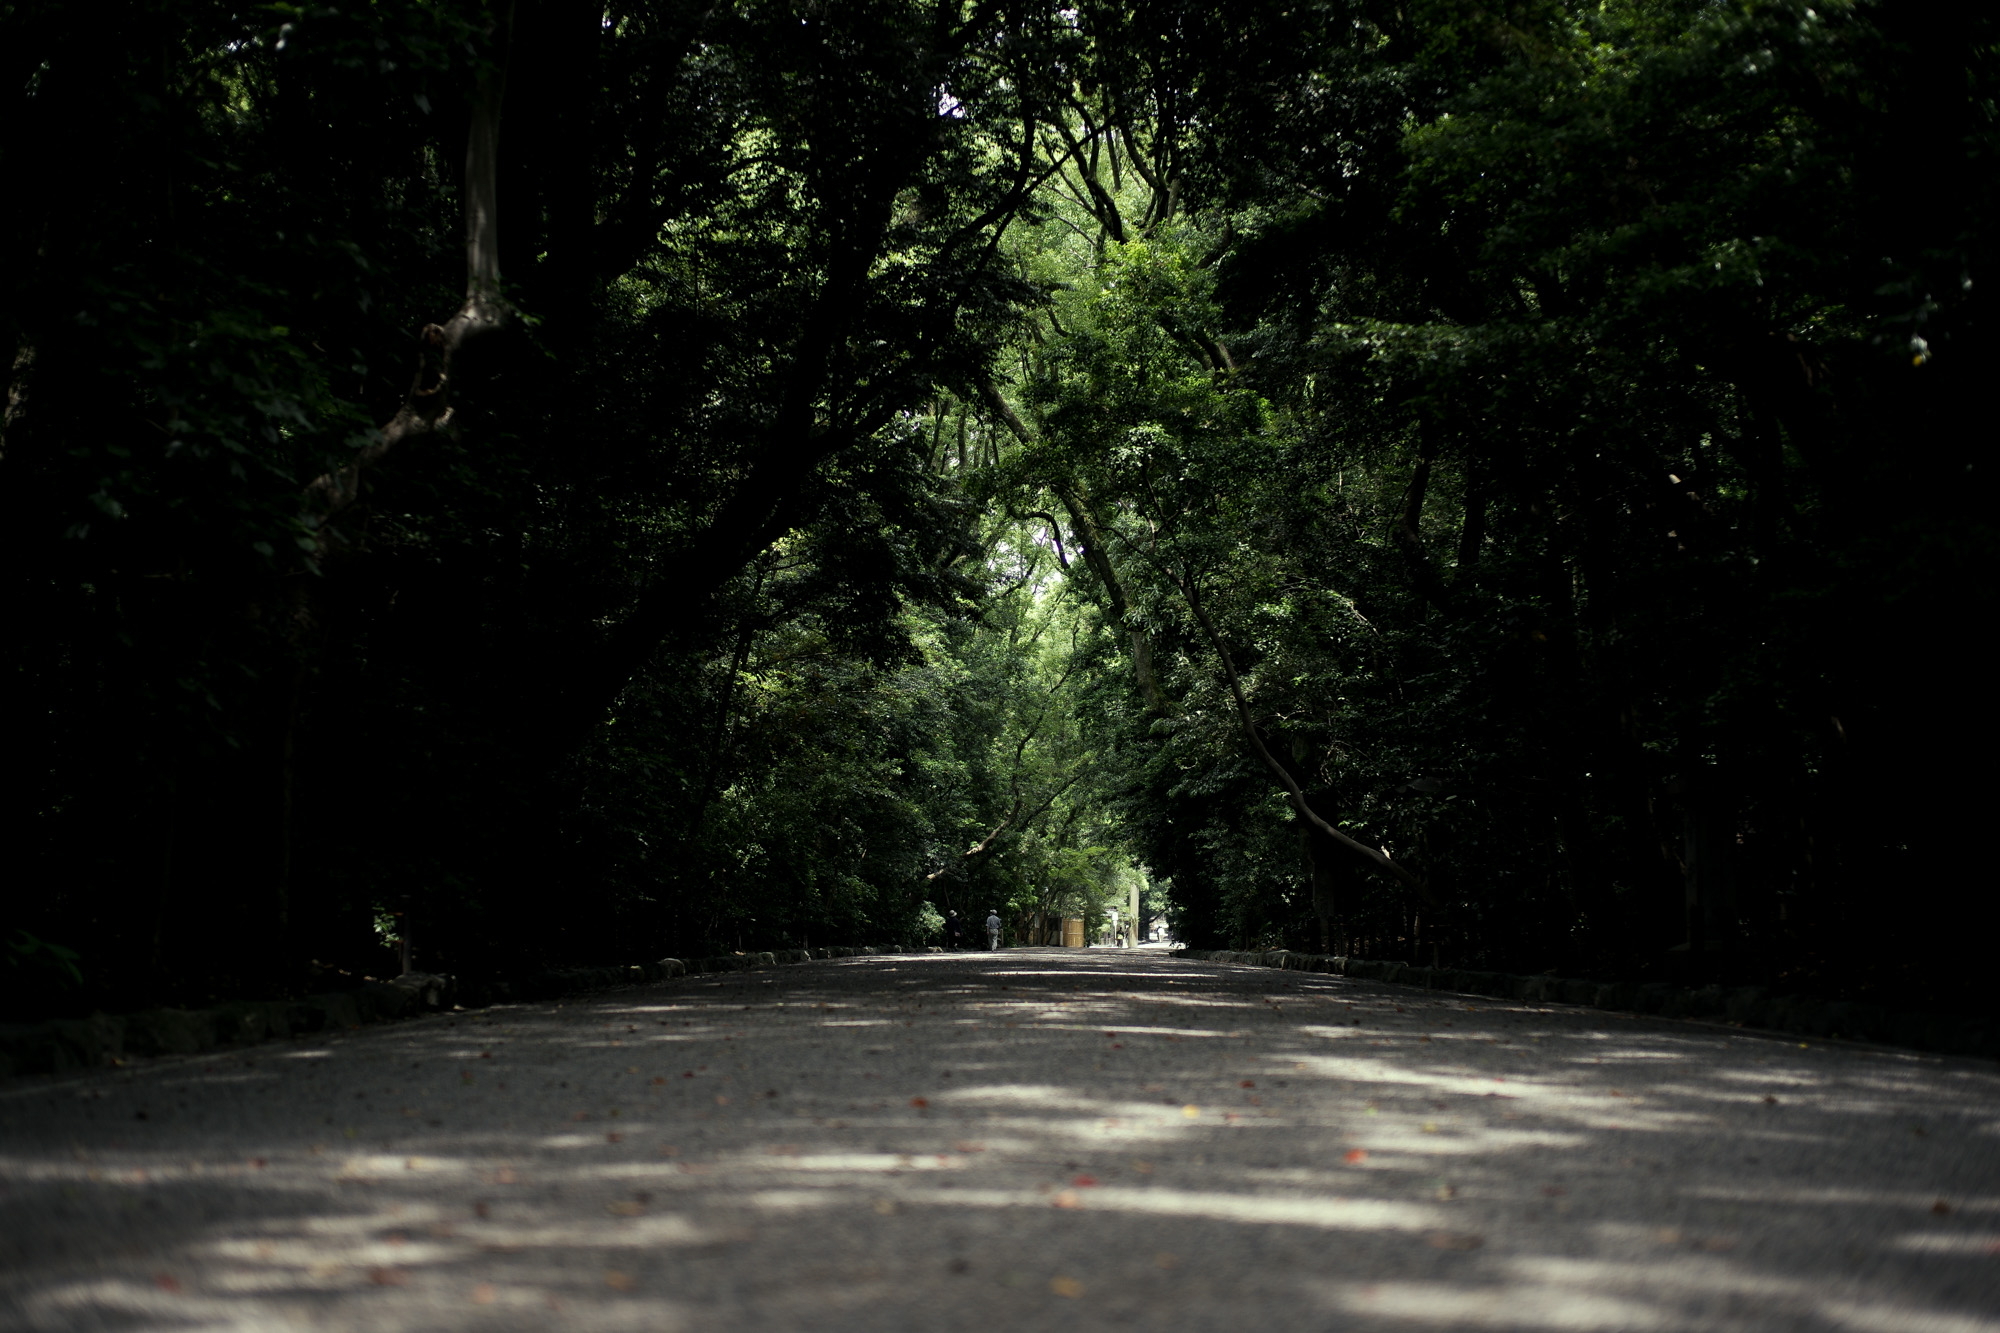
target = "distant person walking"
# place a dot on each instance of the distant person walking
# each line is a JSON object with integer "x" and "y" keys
{"x": 950, "y": 928}
{"x": 992, "y": 930}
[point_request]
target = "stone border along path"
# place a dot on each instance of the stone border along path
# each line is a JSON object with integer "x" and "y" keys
{"x": 1744, "y": 1006}
{"x": 65, "y": 1045}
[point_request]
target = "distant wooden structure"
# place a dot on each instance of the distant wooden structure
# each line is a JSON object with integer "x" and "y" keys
{"x": 1062, "y": 932}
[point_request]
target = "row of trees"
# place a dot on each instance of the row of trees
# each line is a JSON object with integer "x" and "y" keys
{"x": 666, "y": 477}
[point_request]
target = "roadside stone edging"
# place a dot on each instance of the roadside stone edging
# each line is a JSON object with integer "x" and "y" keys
{"x": 65, "y": 1045}
{"x": 1746, "y": 1006}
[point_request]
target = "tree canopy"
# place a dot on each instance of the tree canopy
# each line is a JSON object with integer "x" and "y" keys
{"x": 1496, "y": 483}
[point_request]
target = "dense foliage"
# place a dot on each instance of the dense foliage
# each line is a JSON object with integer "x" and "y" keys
{"x": 1497, "y": 483}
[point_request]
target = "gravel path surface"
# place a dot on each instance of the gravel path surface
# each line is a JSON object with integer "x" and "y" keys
{"x": 1021, "y": 1140}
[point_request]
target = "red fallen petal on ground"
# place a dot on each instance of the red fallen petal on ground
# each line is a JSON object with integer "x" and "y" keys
{"x": 920, "y": 1101}
{"x": 1356, "y": 1155}
{"x": 1084, "y": 1182}
{"x": 166, "y": 1282}
{"x": 1249, "y": 1083}
{"x": 688, "y": 1074}
{"x": 1117, "y": 1045}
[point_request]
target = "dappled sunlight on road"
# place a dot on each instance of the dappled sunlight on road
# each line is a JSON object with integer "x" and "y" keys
{"x": 902, "y": 1142}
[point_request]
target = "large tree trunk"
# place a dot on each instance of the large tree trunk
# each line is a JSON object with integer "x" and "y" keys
{"x": 451, "y": 355}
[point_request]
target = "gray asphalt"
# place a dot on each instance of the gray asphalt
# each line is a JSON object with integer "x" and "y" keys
{"x": 1017, "y": 1140}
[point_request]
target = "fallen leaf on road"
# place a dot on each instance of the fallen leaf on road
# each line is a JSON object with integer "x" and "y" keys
{"x": 967, "y": 1145}
{"x": 1165, "y": 1260}
{"x": 1068, "y": 1199}
{"x": 166, "y": 1282}
{"x": 1248, "y": 1083}
{"x": 504, "y": 1176}
{"x": 1454, "y": 1240}
{"x": 721, "y": 1100}
{"x": 1085, "y": 1182}
{"x": 1066, "y": 1286}
{"x": 1770, "y": 1101}
{"x": 920, "y": 1102}
{"x": 613, "y": 1136}
{"x": 885, "y": 1206}
{"x": 625, "y": 1208}
{"x": 1940, "y": 1207}
{"x": 618, "y": 1281}
{"x": 1355, "y": 1155}
{"x": 1191, "y": 1112}
{"x": 388, "y": 1277}
{"x": 483, "y": 1294}
{"x": 1143, "y": 1168}
{"x": 659, "y": 1078}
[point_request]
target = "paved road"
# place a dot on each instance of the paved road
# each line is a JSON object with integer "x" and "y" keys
{"x": 1019, "y": 1140}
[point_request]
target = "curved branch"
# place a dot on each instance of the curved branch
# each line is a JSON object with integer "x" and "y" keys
{"x": 1377, "y": 857}
{"x": 1055, "y": 531}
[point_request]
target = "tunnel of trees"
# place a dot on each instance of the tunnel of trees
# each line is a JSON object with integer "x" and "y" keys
{"x": 1497, "y": 483}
